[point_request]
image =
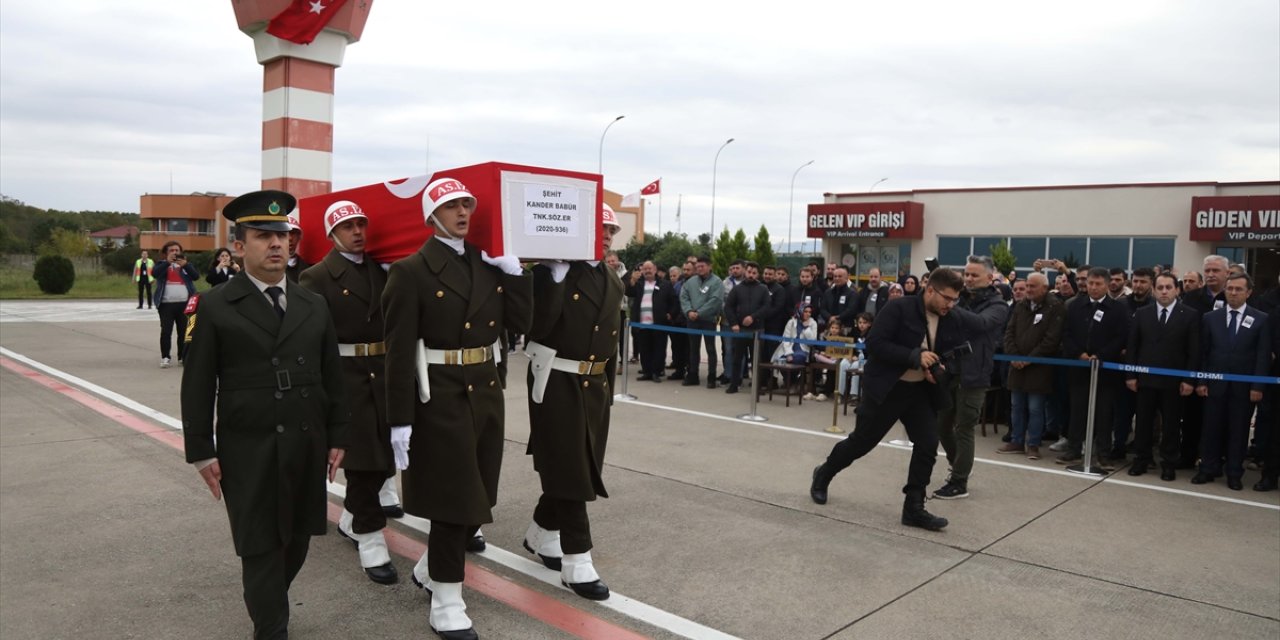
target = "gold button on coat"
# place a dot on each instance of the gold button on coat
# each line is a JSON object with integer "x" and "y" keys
{"x": 492, "y": 323}
{"x": 499, "y": 288}
{"x": 575, "y": 296}
{"x": 439, "y": 294}
{"x": 591, "y": 358}
{"x": 586, "y": 383}
{"x": 470, "y": 388}
{"x": 346, "y": 292}
{"x": 466, "y": 325}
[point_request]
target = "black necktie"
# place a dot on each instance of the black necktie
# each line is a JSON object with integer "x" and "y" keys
{"x": 275, "y": 293}
{"x": 1232, "y": 327}
{"x": 1164, "y": 316}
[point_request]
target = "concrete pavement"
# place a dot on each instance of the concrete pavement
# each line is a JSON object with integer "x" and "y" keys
{"x": 107, "y": 533}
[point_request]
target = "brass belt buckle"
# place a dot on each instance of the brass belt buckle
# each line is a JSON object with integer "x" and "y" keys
{"x": 282, "y": 380}
{"x": 361, "y": 349}
{"x": 584, "y": 368}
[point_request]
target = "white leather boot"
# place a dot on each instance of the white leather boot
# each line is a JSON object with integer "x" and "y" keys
{"x": 545, "y": 544}
{"x": 448, "y": 611}
{"x": 389, "y": 498}
{"x": 579, "y": 574}
{"x": 375, "y": 559}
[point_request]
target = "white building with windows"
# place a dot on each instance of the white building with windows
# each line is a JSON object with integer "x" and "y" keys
{"x": 1111, "y": 225}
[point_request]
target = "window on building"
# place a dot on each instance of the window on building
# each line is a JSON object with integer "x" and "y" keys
{"x": 1152, "y": 251}
{"x": 1109, "y": 252}
{"x": 954, "y": 251}
{"x": 176, "y": 225}
{"x": 1073, "y": 251}
{"x": 1232, "y": 254}
{"x": 204, "y": 227}
{"x": 982, "y": 245}
{"x": 1028, "y": 250}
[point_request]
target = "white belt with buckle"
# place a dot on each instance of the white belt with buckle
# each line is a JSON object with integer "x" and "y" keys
{"x": 426, "y": 356}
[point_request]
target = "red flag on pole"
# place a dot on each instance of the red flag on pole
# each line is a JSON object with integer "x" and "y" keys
{"x": 653, "y": 188}
{"x": 303, "y": 20}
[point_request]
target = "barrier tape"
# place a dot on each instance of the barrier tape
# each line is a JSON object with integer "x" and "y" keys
{"x": 1061, "y": 362}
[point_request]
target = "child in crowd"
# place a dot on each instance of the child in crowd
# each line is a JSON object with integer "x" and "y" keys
{"x": 801, "y": 326}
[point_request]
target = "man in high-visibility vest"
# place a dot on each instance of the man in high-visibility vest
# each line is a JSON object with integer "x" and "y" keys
{"x": 142, "y": 276}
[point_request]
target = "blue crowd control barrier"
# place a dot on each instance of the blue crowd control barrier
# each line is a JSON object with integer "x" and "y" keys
{"x": 741, "y": 334}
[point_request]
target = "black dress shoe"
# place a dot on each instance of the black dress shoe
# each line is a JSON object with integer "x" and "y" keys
{"x": 594, "y": 590}
{"x": 711, "y": 384}
{"x": 645, "y": 378}
{"x": 353, "y": 540}
{"x": 818, "y": 488}
{"x": 1168, "y": 474}
{"x": 1202, "y": 478}
{"x": 1234, "y": 483}
{"x": 476, "y": 544}
{"x": 385, "y": 574}
{"x": 394, "y": 511}
{"x": 690, "y": 382}
{"x": 418, "y": 583}
{"x": 461, "y": 634}
{"x": 1138, "y": 468}
{"x": 733, "y": 388}
{"x": 1266, "y": 484}
{"x": 547, "y": 561}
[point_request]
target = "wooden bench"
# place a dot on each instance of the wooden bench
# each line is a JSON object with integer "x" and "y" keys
{"x": 788, "y": 390}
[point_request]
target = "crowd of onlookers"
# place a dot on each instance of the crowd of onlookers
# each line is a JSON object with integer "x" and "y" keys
{"x": 1214, "y": 320}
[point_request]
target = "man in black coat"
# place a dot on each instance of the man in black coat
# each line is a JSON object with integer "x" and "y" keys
{"x": 900, "y": 382}
{"x": 1204, "y": 298}
{"x": 745, "y": 311}
{"x": 1235, "y": 339}
{"x": 263, "y": 352}
{"x": 653, "y": 302}
{"x": 1096, "y": 328}
{"x": 839, "y": 300}
{"x": 1165, "y": 335}
{"x": 872, "y": 297}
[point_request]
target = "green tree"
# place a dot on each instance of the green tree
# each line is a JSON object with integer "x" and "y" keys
{"x": 722, "y": 254}
{"x": 675, "y": 248}
{"x": 1004, "y": 260}
{"x": 741, "y": 248}
{"x": 763, "y": 253}
{"x": 69, "y": 243}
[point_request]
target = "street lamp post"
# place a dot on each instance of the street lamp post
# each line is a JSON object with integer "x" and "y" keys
{"x": 792, "y": 206}
{"x": 600, "y": 161}
{"x": 875, "y": 184}
{"x": 713, "y": 186}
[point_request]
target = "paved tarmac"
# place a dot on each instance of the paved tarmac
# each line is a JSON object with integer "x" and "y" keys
{"x": 105, "y": 532}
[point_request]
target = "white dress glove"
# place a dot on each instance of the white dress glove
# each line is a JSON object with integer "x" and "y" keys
{"x": 510, "y": 265}
{"x": 400, "y": 445}
{"x": 559, "y": 269}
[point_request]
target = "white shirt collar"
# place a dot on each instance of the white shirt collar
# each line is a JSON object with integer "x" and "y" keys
{"x": 457, "y": 244}
{"x": 1168, "y": 308}
{"x": 593, "y": 263}
{"x": 1241, "y": 309}
{"x": 262, "y": 286}
{"x": 293, "y": 262}
{"x": 357, "y": 258}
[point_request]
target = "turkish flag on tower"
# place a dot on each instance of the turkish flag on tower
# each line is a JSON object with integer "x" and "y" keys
{"x": 302, "y": 20}
{"x": 653, "y": 188}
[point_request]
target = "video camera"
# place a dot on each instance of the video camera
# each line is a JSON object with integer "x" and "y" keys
{"x": 942, "y": 369}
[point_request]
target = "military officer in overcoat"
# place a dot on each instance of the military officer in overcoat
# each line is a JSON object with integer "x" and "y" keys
{"x": 446, "y": 306}
{"x": 352, "y": 283}
{"x": 572, "y": 348}
{"x": 266, "y": 354}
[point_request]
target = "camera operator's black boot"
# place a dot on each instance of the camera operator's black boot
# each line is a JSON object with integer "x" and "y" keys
{"x": 818, "y": 489}
{"x": 914, "y": 515}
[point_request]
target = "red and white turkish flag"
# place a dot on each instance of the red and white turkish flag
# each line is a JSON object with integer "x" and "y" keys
{"x": 302, "y": 20}
{"x": 653, "y": 188}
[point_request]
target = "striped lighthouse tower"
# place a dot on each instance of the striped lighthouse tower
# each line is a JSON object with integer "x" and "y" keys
{"x": 297, "y": 86}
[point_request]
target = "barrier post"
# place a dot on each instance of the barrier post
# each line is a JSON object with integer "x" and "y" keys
{"x": 755, "y": 380}
{"x": 623, "y": 359}
{"x": 1087, "y": 467}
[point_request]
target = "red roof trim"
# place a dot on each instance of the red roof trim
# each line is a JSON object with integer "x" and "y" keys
{"x": 1143, "y": 185}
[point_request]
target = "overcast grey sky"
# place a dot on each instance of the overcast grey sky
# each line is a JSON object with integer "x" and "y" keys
{"x": 102, "y": 102}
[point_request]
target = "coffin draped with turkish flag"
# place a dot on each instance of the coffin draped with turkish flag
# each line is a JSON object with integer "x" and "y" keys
{"x": 533, "y": 213}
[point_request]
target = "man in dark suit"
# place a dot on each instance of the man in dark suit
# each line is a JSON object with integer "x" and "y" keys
{"x": 910, "y": 336}
{"x": 1207, "y": 295}
{"x": 872, "y": 297}
{"x": 840, "y": 300}
{"x": 1096, "y": 328}
{"x": 1164, "y": 335}
{"x": 267, "y": 354}
{"x": 653, "y": 303}
{"x": 572, "y": 350}
{"x": 1234, "y": 339}
{"x": 746, "y": 309}
{"x": 446, "y": 307}
{"x": 352, "y": 283}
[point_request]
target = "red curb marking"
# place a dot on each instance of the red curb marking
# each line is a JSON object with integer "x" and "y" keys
{"x": 532, "y": 603}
